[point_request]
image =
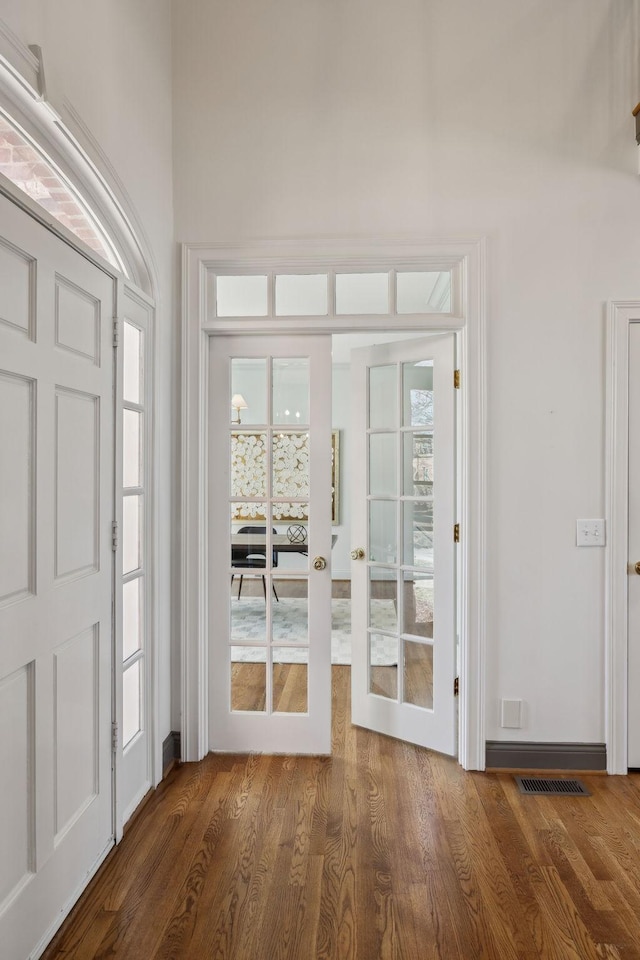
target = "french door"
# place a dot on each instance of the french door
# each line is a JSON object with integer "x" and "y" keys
{"x": 403, "y": 558}
{"x": 269, "y": 508}
{"x": 56, "y": 577}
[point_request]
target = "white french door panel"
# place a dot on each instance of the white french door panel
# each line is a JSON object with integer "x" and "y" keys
{"x": 56, "y": 577}
{"x": 633, "y": 737}
{"x": 403, "y": 515}
{"x": 282, "y": 461}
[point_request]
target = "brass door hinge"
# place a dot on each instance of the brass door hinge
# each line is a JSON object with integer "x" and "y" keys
{"x": 456, "y": 686}
{"x": 456, "y": 533}
{"x": 456, "y": 379}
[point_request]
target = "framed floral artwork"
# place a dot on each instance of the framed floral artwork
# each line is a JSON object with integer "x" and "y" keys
{"x": 290, "y": 475}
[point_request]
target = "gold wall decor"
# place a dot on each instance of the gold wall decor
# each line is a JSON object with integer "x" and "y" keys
{"x": 290, "y": 475}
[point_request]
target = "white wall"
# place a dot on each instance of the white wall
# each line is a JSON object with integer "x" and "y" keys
{"x": 111, "y": 63}
{"x": 454, "y": 118}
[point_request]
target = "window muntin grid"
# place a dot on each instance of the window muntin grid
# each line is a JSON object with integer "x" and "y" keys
{"x": 400, "y": 291}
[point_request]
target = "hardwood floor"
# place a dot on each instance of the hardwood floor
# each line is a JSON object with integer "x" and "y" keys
{"x": 382, "y": 851}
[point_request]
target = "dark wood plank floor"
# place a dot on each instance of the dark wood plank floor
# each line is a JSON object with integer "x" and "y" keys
{"x": 382, "y": 851}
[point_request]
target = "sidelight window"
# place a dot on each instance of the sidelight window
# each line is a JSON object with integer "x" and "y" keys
{"x": 134, "y": 560}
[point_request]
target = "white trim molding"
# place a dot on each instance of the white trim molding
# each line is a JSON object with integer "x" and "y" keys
{"x": 24, "y": 63}
{"x": 467, "y": 261}
{"x": 620, "y": 315}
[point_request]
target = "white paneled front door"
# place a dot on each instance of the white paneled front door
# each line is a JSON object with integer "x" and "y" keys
{"x": 403, "y": 559}
{"x": 269, "y": 506}
{"x": 56, "y": 577}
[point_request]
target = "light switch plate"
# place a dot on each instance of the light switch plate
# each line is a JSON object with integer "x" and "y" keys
{"x": 590, "y": 533}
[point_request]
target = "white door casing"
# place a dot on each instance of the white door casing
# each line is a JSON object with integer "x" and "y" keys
{"x": 404, "y": 526}
{"x": 56, "y": 577}
{"x": 269, "y": 729}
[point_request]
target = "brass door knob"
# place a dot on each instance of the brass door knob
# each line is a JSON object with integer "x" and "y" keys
{"x": 319, "y": 563}
{"x": 357, "y": 554}
{"x": 637, "y": 567}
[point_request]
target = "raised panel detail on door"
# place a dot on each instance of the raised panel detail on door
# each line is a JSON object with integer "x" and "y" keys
{"x": 17, "y": 276}
{"x": 17, "y": 461}
{"x": 77, "y": 471}
{"x": 76, "y": 705}
{"x": 16, "y": 781}
{"x": 77, "y": 320}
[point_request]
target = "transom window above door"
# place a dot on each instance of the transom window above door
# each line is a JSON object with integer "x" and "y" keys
{"x": 405, "y": 290}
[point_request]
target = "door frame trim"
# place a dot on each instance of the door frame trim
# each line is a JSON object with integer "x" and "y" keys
{"x": 469, "y": 257}
{"x": 620, "y": 314}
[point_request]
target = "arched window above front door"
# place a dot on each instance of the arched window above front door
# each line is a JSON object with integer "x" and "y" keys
{"x": 28, "y": 167}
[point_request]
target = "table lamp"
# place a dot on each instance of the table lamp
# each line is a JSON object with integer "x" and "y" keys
{"x": 238, "y": 403}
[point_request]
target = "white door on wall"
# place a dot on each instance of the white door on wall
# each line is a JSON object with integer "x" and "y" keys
{"x": 403, "y": 621}
{"x": 634, "y": 548}
{"x": 269, "y": 507}
{"x": 56, "y": 577}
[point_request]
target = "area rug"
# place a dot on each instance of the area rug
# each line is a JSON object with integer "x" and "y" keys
{"x": 290, "y": 624}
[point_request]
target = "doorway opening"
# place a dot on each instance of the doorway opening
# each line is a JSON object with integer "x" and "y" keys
{"x": 269, "y": 429}
{"x": 248, "y": 584}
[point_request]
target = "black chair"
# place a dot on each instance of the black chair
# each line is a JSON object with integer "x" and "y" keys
{"x": 248, "y": 556}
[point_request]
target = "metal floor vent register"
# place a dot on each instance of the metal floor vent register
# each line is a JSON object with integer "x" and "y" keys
{"x": 552, "y": 786}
